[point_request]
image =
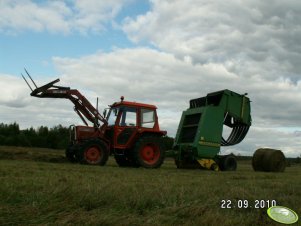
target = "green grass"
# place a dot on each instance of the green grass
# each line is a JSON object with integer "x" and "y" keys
{"x": 39, "y": 187}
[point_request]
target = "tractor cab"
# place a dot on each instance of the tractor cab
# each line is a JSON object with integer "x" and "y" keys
{"x": 129, "y": 120}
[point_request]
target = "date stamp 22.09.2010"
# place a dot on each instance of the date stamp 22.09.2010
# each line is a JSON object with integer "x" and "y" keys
{"x": 245, "y": 204}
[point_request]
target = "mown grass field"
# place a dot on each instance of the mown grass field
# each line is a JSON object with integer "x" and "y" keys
{"x": 39, "y": 187}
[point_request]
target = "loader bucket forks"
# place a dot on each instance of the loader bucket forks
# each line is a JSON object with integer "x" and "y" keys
{"x": 82, "y": 106}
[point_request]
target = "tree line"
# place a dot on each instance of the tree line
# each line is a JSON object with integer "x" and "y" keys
{"x": 56, "y": 137}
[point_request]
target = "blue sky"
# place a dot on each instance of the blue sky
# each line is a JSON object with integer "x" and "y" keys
{"x": 34, "y": 50}
{"x": 159, "y": 52}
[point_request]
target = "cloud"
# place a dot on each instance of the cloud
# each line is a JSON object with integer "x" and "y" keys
{"x": 260, "y": 137}
{"x": 12, "y": 93}
{"x": 57, "y": 16}
{"x": 153, "y": 75}
{"x": 21, "y": 15}
{"x": 249, "y": 37}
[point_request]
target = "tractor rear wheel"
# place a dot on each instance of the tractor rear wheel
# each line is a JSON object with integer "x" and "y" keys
{"x": 149, "y": 152}
{"x": 94, "y": 152}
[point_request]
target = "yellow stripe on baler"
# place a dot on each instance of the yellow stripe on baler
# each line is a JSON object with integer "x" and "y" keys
{"x": 210, "y": 144}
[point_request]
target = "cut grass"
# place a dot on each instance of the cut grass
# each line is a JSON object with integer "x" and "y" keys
{"x": 36, "y": 191}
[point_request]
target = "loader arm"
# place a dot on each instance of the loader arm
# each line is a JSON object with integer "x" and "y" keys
{"x": 82, "y": 106}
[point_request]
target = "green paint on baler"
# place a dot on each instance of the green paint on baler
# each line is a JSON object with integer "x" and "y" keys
{"x": 200, "y": 129}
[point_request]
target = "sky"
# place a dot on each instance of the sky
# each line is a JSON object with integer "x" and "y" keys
{"x": 159, "y": 52}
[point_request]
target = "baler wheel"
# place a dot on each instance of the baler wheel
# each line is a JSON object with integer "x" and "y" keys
{"x": 228, "y": 163}
{"x": 94, "y": 152}
{"x": 149, "y": 152}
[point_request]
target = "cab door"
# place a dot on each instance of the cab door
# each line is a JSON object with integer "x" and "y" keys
{"x": 125, "y": 127}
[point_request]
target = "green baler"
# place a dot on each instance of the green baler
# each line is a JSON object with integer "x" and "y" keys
{"x": 199, "y": 135}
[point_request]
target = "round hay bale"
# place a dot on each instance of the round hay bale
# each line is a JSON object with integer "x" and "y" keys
{"x": 274, "y": 160}
{"x": 257, "y": 159}
{"x": 268, "y": 160}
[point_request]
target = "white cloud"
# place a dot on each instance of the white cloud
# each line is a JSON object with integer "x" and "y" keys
{"x": 249, "y": 37}
{"x": 57, "y": 16}
{"x": 12, "y": 93}
{"x": 261, "y": 137}
{"x": 27, "y": 15}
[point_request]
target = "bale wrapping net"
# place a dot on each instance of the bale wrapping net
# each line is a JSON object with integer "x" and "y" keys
{"x": 268, "y": 160}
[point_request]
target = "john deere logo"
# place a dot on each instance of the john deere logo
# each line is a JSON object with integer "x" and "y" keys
{"x": 282, "y": 215}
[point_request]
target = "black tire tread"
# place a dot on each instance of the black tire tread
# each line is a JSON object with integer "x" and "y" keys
{"x": 143, "y": 141}
{"x": 81, "y": 156}
{"x": 228, "y": 163}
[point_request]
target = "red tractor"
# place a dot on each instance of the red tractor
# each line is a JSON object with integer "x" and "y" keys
{"x": 128, "y": 130}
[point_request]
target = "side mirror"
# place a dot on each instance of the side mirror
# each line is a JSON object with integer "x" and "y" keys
{"x": 104, "y": 113}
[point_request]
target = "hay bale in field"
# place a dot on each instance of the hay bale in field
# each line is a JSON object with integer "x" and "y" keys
{"x": 274, "y": 160}
{"x": 268, "y": 160}
{"x": 257, "y": 159}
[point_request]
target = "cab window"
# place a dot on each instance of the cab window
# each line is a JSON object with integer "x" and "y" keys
{"x": 128, "y": 117}
{"x": 147, "y": 118}
{"x": 112, "y": 116}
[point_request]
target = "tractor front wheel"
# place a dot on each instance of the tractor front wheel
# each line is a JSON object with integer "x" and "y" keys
{"x": 149, "y": 152}
{"x": 94, "y": 152}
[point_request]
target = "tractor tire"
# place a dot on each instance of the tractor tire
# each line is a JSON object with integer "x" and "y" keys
{"x": 228, "y": 163}
{"x": 93, "y": 152}
{"x": 70, "y": 154}
{"x": 149, "y": 152}
{"x": 124, "y": 161}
